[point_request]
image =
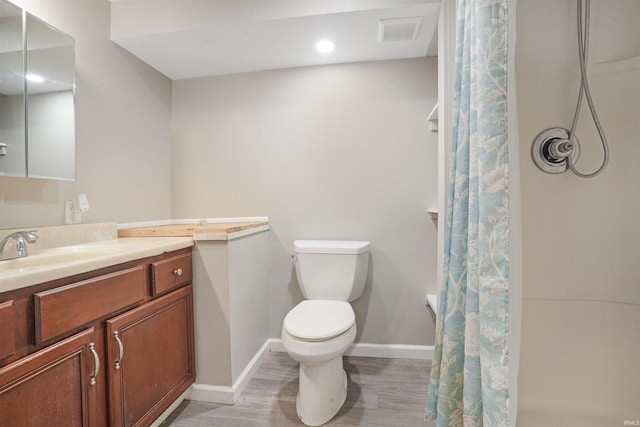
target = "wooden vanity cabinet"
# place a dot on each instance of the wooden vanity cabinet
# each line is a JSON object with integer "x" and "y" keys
{"x": 7, "y": 332}
{"x": 102, "y": 348}
{"x": 151, "y": 358}
{"x": 51, "y": 385}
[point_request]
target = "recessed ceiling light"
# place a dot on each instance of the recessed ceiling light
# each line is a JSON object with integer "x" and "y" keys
{"x": 34, "y": 78}
{"x": 324, "y": 46}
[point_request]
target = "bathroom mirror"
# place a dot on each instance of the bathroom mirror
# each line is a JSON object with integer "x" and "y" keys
{"x": 37, "y": 97}
{"x": 13, "y": 161}
{"x": 50, "y": 90}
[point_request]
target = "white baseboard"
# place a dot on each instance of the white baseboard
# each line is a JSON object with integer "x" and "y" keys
{"x": 169, "y": 410}
{"x": 229, "y": 395}
{"x": 389, "y": 351}
{"x": 392, "y": 351}
{"x": 212, "y": 394}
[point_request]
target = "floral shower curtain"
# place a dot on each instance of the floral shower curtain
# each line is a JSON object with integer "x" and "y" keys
{"x": 469, "y": 377}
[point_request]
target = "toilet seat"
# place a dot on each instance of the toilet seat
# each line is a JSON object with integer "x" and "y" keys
{"x": 319, "y": 320}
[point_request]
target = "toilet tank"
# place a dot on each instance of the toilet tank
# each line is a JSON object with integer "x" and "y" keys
{"x": 331, "y": 269}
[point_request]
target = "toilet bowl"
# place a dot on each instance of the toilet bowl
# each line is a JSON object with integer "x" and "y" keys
{"x": 318, "y": 330}
{"x": 316, "y": 333}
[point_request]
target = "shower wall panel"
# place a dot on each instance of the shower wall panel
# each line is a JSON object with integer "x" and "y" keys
{"x": 581, "y": 237}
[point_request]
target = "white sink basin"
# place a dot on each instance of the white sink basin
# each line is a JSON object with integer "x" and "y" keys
{"x": 65, "y": 261}
{"x": 60, "y": 255}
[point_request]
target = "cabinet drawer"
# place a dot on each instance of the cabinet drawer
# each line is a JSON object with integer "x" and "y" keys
{"x": 170, "y": 273}
{"x": 7, "y": 329}
{"x": 64, "y": 309}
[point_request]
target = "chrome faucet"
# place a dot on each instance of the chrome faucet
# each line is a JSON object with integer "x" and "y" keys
{"x": 19, "y": 250}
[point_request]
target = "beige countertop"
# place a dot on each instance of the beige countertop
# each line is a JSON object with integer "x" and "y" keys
{"x": 63, "y": 251}
{"x": 56, "y": 263}
{"x": 206, "y": 231}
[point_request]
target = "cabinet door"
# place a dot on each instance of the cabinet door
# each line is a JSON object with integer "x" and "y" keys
{"x": 7, "y": 329}
{"x": 150, "y": 353}
{"x": 54, "y": 386}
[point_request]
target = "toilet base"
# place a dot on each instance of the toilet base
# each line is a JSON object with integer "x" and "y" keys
{"x": 322, "y": 391}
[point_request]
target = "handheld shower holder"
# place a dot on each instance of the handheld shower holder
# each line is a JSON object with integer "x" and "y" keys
{"x": 553, "y": 148}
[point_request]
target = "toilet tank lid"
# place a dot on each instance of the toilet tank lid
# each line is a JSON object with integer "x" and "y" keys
{"x": 330, "y": 246}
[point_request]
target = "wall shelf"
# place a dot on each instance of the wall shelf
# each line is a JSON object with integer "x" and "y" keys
{"x": 433, "y": 213}
{"x": 432, "y": 301}
{"x": 433, "y": 119}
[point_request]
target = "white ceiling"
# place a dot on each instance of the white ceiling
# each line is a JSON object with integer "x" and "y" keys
{"x": 194, "y": 38}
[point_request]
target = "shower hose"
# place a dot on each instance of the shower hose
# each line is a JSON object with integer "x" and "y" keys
{"x": 583, "y": 48}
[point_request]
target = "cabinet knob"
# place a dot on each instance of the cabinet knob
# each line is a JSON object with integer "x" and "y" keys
{"x": 177, "y": 272}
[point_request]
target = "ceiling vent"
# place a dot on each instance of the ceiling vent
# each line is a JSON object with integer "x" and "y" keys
{"x": 399, "y": 29}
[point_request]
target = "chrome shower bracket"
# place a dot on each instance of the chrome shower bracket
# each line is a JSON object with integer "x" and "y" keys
{"x": 552, "y": 148}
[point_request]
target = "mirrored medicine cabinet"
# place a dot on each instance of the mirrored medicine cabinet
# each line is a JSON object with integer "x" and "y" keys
{"x": 37, "y": 97}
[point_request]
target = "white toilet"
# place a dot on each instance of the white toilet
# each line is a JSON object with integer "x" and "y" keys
{"x": 320, "y": 329}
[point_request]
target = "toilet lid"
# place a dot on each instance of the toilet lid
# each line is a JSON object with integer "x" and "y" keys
{"x": 319, "y": 320}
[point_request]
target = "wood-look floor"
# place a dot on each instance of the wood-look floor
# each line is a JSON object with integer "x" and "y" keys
{"x": 381, "y": 393}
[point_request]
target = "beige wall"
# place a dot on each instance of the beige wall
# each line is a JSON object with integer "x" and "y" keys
{"x": 230, "y": 294}
{"x": 339, "y": 151}
{"x": 581, "y": 237}
{"x": 123, "y": 137}
{"x": 331, "y": 152}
